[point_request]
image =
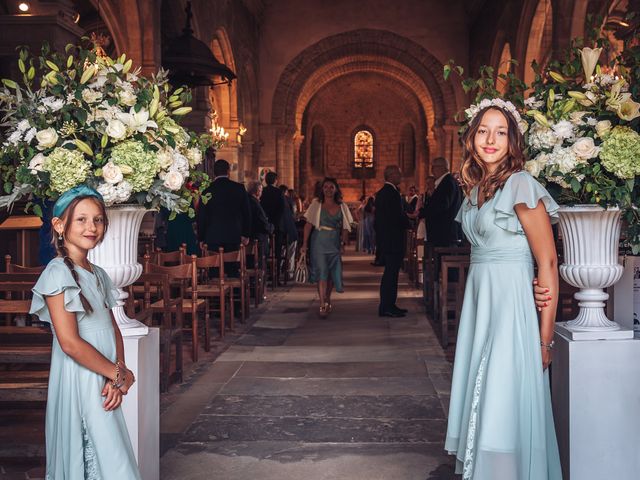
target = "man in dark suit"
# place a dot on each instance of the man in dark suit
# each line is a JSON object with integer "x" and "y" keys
{"x": 261, "y": 228}
{"x": 273, "y": 203}
{"x": 391, "y": 224}
{"x": 225, "y": 220}
{"x": 442, "y": 206}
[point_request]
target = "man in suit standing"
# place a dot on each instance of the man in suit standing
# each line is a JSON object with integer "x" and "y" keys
{"x": 273, "y": 204}
{"x": 225, "y": 220}
{"x": 441, "y": 208}
{"x": 391, "y": 225}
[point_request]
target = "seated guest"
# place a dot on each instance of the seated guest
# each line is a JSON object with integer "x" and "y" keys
{"x": 225, "y": 220}
{"x": 260, "y": 226}
{"x": 290, "y": 230}
{"x": 273, "y": 204}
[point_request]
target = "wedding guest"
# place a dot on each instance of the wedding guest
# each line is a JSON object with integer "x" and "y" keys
{"x": 440, "y": 210}
{"x": 328, "y": 225}
{"x": 273, "y": 203}
{"x": 500, "y": 419}
{"x": 391, "y": 224}
{"x": 369, "y": 240}
{"x": 290, "y": 231}
{"x": 85, "y": 429}
{"x": 261, "y": 228}
{"x": 225, "y": 220}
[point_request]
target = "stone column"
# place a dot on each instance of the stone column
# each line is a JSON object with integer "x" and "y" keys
{"x": 298, "y": 169}
{"x": 284, "y": 154}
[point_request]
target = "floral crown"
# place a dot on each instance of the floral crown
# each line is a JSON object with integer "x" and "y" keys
{"x": 474, "y": 109}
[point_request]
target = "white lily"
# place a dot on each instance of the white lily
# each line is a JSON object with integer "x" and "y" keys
{"x": 589, "y": 57}
{"x": 137, "y": 121}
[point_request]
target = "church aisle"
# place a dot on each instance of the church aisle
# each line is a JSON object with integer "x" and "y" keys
{"x": 350, "y": 397}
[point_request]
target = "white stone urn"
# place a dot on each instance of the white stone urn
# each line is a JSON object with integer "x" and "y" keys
{"x": 118, "y": 255}
{"x": 590, "y": 235}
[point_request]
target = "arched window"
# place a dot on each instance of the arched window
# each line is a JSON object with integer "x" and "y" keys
{"x": 540, "y": 39}
{"x": 317, "y": 149}
{"x": 363, "y": 149}
{"x": 407, "y": 152}
{"x": 504, "y": 67}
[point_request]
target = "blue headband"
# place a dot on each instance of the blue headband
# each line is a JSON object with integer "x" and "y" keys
{"x": 67, "y": 197}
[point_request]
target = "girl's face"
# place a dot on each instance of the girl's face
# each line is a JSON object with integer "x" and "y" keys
{"x": 85, "y": 228}
{"x": 329, "y": 190}
{"x": 491, "y": 141}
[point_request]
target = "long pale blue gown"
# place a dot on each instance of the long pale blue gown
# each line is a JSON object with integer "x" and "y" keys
{"x": 500, "y": 419}
{"x": 84, "y": 442}
{"x": 326, "y": 262}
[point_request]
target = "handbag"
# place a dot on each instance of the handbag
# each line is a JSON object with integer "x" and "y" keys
{"x": 302, "y": 271}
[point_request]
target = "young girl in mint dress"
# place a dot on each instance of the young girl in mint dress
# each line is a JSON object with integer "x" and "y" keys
{"x": 500, "y": 419}
{"x": 86, "y": 435}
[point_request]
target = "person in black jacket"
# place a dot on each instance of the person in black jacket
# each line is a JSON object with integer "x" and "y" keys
{"x": 273, "y": 203}
{"x": 260, "y": 226}
{"x": 225, "y": 220}
{"x": 391, "y": 223}
{"x": 441, "y": 208}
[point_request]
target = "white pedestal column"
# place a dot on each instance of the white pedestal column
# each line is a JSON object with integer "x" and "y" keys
{"x": 141, "y": 406}
{"x": 596, "y": 400}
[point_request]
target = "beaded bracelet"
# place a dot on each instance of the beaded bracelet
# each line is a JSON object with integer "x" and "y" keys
{"x": 548, "y": 346}
{"x": 119, "y": 380}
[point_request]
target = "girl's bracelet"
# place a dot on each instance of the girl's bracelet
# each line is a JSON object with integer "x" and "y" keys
{"x": 548, "y": 346}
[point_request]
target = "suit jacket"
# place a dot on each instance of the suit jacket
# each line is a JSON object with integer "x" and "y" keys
{"x": 391, "y": 221}
{"x": 260, "y": 225}
{"x": 227, "y": 216}
{"x": 440, "y": 211}
{"x": 272, "y": 202}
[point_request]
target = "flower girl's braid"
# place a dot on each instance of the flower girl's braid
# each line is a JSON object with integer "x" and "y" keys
{"x": 62, "y": 251}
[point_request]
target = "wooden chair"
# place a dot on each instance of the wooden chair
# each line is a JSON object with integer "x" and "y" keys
{"x": 240, "y": 283}
{"x": 185, "y": 277}
{"x": 216, "y": 288}
{"x": 256, "y": 274}
{"x": 170, "y": 317}
{"x": 451, "y": 302}
{"x": 170, "y": 258}
{"x": 15, "y": 295}
{"x": 15, "y": 268}
{"x": 273, "y": 262}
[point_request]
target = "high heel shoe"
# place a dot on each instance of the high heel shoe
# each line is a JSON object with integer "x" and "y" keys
{"x": 323, "y": 311}
{"x": 329, "y": 307}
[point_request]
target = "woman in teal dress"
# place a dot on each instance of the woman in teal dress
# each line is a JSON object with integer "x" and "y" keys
{"x": 86, "y": 435}
{"x": 328, "y": 224}
{"x": 500, "y": 419}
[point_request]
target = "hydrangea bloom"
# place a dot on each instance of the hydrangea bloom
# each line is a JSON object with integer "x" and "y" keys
{"x": 620, "y": 152}
{"x": 144, "y": 164}
{"x": 67, "y": 168}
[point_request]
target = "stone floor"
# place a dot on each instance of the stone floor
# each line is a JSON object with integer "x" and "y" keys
{"x": 350, "y": 397}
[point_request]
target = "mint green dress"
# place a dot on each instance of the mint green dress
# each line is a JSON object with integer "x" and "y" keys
{"x": 326, "y": 262}
{"x": 500, "y": 419}
{"x": 84, "y": 442}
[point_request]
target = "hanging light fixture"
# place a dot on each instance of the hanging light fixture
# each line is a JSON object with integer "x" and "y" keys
{"x": 191, "y": 62}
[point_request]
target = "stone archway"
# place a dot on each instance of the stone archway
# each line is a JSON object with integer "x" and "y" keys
{"x": 361, "y": 50}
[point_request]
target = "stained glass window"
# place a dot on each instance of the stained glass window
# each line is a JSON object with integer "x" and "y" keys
{"x": 363, "y": 149}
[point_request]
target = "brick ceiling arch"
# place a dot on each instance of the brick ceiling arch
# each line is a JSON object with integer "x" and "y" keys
{"x": 406, "y": 80}
{"x": 393, "y": 55}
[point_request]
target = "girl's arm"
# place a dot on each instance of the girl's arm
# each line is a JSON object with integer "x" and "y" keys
{"x": 537, "y": 228}
{"x": 72, "y": 344}
{"x": 119, "y": 341}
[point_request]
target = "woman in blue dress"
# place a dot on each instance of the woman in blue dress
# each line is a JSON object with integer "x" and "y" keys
{"x": 330, "y": 220}
{"x": 500, "y": 420}
{"x": 86, "y": 435}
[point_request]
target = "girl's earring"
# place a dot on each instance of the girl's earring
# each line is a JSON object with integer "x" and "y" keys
{"x": 60, "y": 237}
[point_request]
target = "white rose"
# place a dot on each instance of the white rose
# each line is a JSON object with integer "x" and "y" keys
{"x": 533, "y": 167}
{"x": 180, "y": 164}
{"x": 108, "y": 193}
{"x": 46, "y": 138}
{"x": 585, "y": 148}
{"x": 603, "y": 127}
{"x": 173, "y": 180}
{"x": 91, "y": 96}
{"x": 127, "y": 98}
{"x": 116, "y": 130}
{"x": 195, "y": 156}
{"x": 35, "y": 165}
{"x": 112, "y": 173}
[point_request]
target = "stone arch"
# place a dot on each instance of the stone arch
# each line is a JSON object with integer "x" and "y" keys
{"x": 361, "y": 50}
{"x": 534, "y": 30}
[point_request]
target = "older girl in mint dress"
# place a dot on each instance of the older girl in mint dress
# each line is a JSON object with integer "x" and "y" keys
{"x": 500, "y": 419}
{"x": 86, "y": 434}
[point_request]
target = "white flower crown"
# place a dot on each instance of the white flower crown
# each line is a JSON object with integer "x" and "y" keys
{"x": 474, "y": 109}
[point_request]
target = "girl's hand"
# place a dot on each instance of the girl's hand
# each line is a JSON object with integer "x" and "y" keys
{"x": 129, "y": 380}
{"x": 540, "y": 295}
{"x": 113, "y": 397}
{"x": 546, "y": 358}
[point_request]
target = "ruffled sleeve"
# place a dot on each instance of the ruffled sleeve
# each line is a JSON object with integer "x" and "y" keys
{"x": 110, "y": 292}
{"x": 521, "y": 187}
{"x": 56, "y": 279}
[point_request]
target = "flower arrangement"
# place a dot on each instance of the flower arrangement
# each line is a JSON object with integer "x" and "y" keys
{"x": 94, "y": 120}
{"x": 581, "y": 127}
